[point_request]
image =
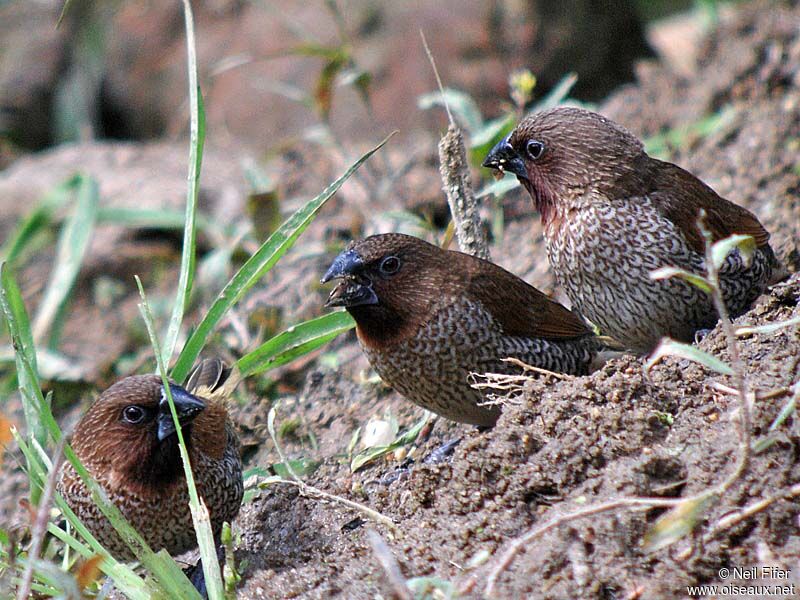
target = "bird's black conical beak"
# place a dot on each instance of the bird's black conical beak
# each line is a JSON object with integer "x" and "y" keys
{"x": 504, "y": 158}
{"x": 186, "y": 405}
{"x": 354, "y": 289}
{"x": 348, "y": 263}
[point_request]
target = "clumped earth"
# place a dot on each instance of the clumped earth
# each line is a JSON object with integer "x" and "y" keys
{"x": 620, "y": 432}
{"x": 560, "y": 445}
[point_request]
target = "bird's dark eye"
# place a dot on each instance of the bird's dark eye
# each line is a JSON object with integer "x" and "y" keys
{"x": 534, "y": 149}
{"x": 133, "y": 414}
{"x": 390, "y": 265}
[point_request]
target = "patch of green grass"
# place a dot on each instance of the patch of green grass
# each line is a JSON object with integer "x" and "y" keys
{"x": 163, "y": 577}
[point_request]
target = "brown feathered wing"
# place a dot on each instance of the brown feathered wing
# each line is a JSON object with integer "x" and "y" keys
{"x": 521, "y": 309}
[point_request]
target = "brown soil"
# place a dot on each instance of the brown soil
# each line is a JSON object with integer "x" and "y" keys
{"x": 563, "y": 445}
{"x": 559, "y": 445}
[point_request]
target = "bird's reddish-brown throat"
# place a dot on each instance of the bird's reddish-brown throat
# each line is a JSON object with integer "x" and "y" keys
{"x": 612, "y": 215}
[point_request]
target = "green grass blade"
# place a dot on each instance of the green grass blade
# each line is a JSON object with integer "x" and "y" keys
{"x": 148, "y": 218}
{"x": 16, "y": 317}
{"x": 164, "y": 569}
{"x": 297, "y": 340}
{"x": 197, "y": 136}
{"x": 72, "y": 244}
{"x": 200, "y": 516}
{"x": 256, "y": 266}
{"x": 670, "y": 347}
{"x": 124, "y": 576}
{"x": 37, "y": 219}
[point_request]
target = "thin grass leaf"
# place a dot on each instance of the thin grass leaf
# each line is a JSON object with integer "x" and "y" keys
{"x": 669, "y": 347}
{"x": 558, "y": 94}
{"x": 166, "y": 572}
{"x": 148, "y": 218}
{"x": 461, "y": 104}
{"x": 73, "y": 242}
{"x": 52, "y": 365}
{"x": 483, "y": 140}
{"x": 288, "y": 91}
{"x": 302, "y": 466}
{"x": 787, "y": 410}
{"x": 296, "y": 341}
{"x": 745, "y": 244}
{"x": 39, "y": 218}
{"x": 491, "y": 132}
{"x": 197, "y": 136}
{"x": 123, "y": 576}
{"x": 51, "y": 576}
{"x": 200, "y": 516}
{"x": 16, "y": 317}
{"x": 370, "y": 454}
{"x": 696, "y": 280}
{"x": 768, "y": 328}
{"x": 765, "y": 443}
{"x": 257, "y": 266}
{"x": 676, "y": 523}
{"x": 500, "y": 187}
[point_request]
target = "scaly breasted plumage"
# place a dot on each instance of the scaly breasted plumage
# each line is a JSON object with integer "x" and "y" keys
{"x": 612, "y": 215}
{"x": 427, "y": 318}
{"x": 127, "y": 441}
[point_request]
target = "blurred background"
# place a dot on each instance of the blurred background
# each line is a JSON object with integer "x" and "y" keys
{"x": 293, "y": 92}
{"x": 116, "y": 70}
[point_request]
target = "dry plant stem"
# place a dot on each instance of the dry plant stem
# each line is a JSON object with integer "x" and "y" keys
{"x": 389, "y": 565}
{"x": 457, "y": 183}
{"x": 436, "y": 74}
{"x": 526, "y": 367}
{"x": 458, "y": 189}
{"x": 40, "y": 525}
{"x": 748, "y": 511}
{"x": 310, "y": 490}
{"x": 739, "y": 381}
{"x": 595, "y": 509}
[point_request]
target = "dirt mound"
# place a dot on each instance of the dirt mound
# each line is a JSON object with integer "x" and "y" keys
{"x": 561, "y": 446}
{"x": 566, "y": 444}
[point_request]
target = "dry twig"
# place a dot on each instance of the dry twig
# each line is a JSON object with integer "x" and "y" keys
{"x": 309, "y": 490}
{"x": 457, "y": 183}
{"x": 389, "y": 565}
{"x": 595, "y": 509}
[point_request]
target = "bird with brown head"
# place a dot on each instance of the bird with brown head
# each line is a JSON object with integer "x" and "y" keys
{"x": 427, "y": 317}
{"x": 128, "y": 442}
{"x": 612, "y": 215}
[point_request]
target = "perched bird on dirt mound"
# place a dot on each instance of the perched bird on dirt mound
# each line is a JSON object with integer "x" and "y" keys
{"x": 127, "y": 441}
{"x": 612, "y": 214}
{"x": 426, "y": 318}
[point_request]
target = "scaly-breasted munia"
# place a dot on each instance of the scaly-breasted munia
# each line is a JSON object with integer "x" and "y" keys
{"x": 127, "y": 441}
{"x": 612, "y": 215}
{"x": 426, "y": 318}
